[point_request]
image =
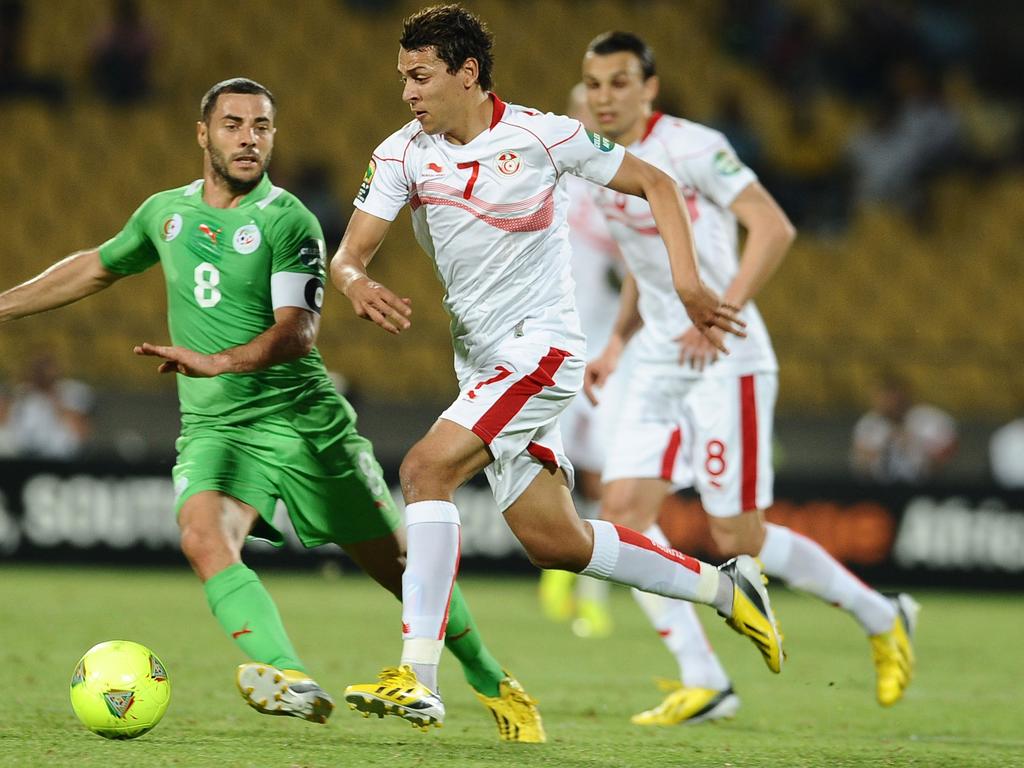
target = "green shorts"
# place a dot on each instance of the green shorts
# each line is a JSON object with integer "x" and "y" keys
{"x": 312, "y": 458}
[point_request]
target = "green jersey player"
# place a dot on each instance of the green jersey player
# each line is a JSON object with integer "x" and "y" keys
{"x": 244, "y": 266}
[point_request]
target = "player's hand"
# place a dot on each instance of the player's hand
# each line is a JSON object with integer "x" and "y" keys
{"x": 699, "y": 350}
{"x": 181, "y": 360}
{"x": 707, "y": 310}
{"x": 372, "y": 301}
{"x": 597, "y": 372}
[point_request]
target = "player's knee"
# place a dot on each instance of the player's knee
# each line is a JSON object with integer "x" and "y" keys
{"x": 201, "y": 546}
{"x": 622, "y": 507}
{"x": 421, "y": 469}
{"x": 733, "y": 542}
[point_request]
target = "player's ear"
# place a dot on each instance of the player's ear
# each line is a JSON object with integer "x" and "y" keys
{"x": 651, "y": 86}
{"x": 470, "y": 73}
{"x": 202, "y": 133}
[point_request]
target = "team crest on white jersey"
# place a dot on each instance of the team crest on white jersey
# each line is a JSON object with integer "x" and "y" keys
{"x": 171, "y": 227}
{"x": 433, "y": 170}
{"x": 508, "y": 163}
{"x": 247, "y": 238}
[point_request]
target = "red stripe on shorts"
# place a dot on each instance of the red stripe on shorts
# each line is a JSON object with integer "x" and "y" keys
{"x": 668, "y": 458}
{"x": 748, "y": 420}
{"x": 542, "y": 454}
{"x": 514, "y": 398}
{"x": 629, "y": 536}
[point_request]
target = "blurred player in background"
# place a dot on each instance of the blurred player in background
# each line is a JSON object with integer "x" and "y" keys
{"x": 244, "y": 263}
{"x": 687, "y": 415}
{"x": 597, "y": 273}
{"x": 481, "y": 177}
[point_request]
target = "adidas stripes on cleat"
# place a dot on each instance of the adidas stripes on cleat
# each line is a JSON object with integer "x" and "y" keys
{"x": 399, "y": 693}
{"x": 752, "y": 614}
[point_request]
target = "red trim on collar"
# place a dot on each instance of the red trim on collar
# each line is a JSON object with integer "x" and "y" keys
{"x": 651, "y": 122}
{"x": 499, "y": 110}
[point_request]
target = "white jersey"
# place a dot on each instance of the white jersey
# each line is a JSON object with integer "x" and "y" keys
{"x": 710, "y": 178}
{"x": 596, "y": 265}
{"x": 492, "y": 216}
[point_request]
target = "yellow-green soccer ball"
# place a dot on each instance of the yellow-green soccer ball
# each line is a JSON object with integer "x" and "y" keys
{"x": 120, "y": 689}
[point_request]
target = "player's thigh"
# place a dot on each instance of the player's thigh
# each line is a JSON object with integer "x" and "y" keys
{"x": 731, "y": 418}
{"x": 336, "y": 492}
{"x": 229, "y": 462}
{"x": 513, "y": 405}
{"x": 544, "y": 520}
{"x": 442, "y": 460}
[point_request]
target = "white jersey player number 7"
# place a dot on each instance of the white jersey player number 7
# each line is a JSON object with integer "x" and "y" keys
{"x": 492, "y": 216}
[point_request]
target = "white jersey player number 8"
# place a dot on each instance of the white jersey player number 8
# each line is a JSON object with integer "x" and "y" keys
{"x": 206, "y": 291}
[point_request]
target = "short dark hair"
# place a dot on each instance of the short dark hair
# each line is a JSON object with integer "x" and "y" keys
{"x": 232, "y": 85}
{"x": 456, "y": 35}
{"x": 617, "y": 42}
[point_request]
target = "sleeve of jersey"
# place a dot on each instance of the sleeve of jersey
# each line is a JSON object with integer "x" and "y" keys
{"x": 717, "y": 172}
{"x": 299, "y": 261}
{"x": 577, "y": 151}
{"x": 385, "y": 189}
{"x": 131, "y": 251}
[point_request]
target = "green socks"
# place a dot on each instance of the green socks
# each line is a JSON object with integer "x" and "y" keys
{"x": 482, "y": 670}
{"x": 248, "y": 615}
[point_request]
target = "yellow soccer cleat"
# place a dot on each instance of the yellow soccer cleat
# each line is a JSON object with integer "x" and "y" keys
{"x": 752, "y": 614}
{"x": 274, "y": 691}
{"x": 398, "y": 692}
{"x": 556, "y": 598}
{"x": 592, "y": 619}
{"x": 893, "y": 652}
{"x": 515, "y": 712}
{"x": 689, "y": 706}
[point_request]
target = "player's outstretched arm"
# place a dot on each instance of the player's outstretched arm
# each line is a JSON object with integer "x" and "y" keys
{"x": 370, "y": 300}
{"x": 769, "y": 235}
{"x": 79, "y": 275}
{"x": 706, "y": 310}
{"x": 292, "y": 336}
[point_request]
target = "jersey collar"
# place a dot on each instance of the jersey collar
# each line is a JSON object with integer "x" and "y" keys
{"x": 651, "y": 122}
{"x": 258, "y": 192}
{"x": 499, "y": 110}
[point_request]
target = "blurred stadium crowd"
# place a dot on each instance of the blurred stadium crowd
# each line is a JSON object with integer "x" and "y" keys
{"x": 892, "y": 132}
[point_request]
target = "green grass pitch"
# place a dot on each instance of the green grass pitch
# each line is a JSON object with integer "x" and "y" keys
{"x": 965, "y": 708}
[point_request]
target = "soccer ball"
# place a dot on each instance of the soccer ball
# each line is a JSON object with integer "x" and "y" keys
{"x": 120, "y": 689}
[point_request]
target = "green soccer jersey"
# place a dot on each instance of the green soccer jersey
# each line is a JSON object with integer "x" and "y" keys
{"x": 226, "y": 269}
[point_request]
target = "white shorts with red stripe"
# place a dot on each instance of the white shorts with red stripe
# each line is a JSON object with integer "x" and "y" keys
{"x": 513, "y": 402}
{"x": 711, "y": 433}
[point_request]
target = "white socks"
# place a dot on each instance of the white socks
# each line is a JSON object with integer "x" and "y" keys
{"x": 805, "y": 565}
{"x": 433, "y": 533}
{"x": 681, "y": 631}
{"x": 589, "y": 589}
{"x": 627, "y": 557}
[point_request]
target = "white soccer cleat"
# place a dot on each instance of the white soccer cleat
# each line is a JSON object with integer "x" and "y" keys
{"x": 288, "y": 692}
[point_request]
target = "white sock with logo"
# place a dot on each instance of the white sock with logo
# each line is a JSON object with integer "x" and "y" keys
{"x": 804, "y": 564}
{"x": 677, "y": 623}
{"x": 624, "y": 556}
{"x": 433, "y": 533}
